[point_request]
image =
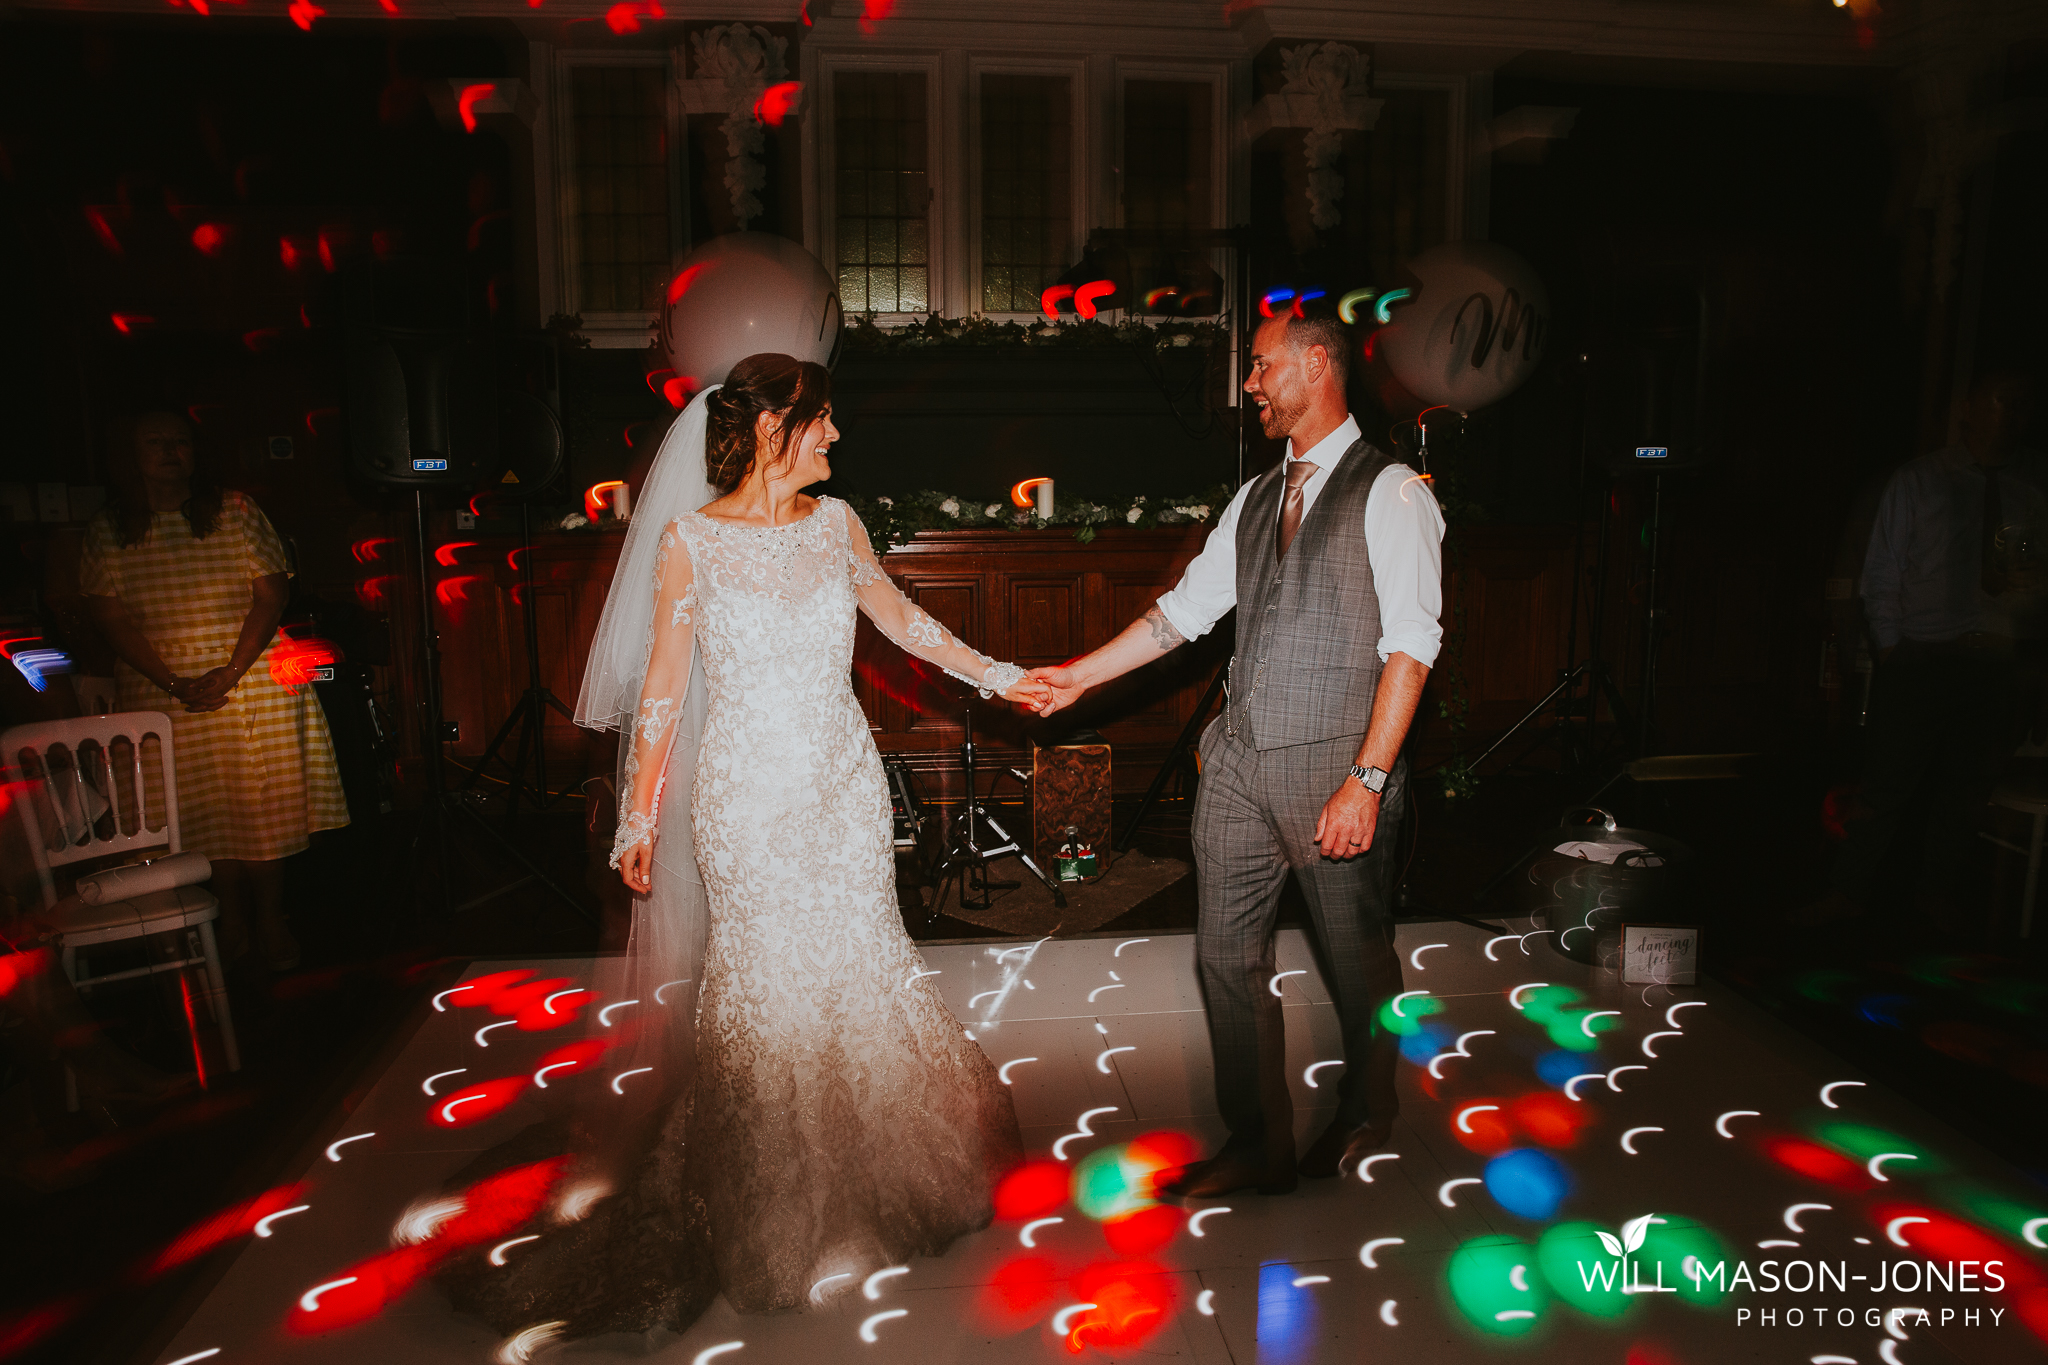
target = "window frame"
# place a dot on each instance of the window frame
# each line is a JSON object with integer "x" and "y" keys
{"x": 1080, "y": 163}
{"x": 820, "y": 142}
{"x": 620, "y": 329}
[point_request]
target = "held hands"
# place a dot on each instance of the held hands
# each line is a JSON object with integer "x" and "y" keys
{"x": 207, "y": 692}
{"x": 1345, "y": 828}
{"x": 1060, "y": 688}
{"x": 1028, "y": 691}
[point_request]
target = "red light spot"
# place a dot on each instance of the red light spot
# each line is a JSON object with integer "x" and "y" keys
{"x": 1020, "y": 492}
{"x": 1161, "y": 1155}
{"x": 1132, "y": 1299}
{"x": 475, "y": 1103}
{"x": 1482, "y": 1130}
{"x": 1024, "y": 1284}
{"x": 510, "y": 1000}
{"x": 389, "y": 8}
{"x": 485, "y": 990}
{"x": 304, "y": 12}
{"x": 1050, "y": 299}
{"x": 466, "y": 103}
{"x": 1816, "y": 1162}
{"x": 482, "y": 221}
{"x": 803, "y": 12}
{"x": 873, "y": 12}
{"x": 375, "y": 593}
{"x": 445, "y": 555}
{"x": 450, "y": 591}
{"x": 493, "y": 1207}
{"x": 18, "y": 967}
{"x": 262, "y": 339}
{"x": 365, "y": 1289}
{"x": 1143, "y": 1231}
{"x": 128, "y": 324}
{"x": 1087, "y": 294}
{"x": 570, "y": 1058}
{"x": 291, "y": 251}
{"x": 656, "y": 377}
{"x": 594, "y": 497}
{"x": 237, "y": 1220}
{"x": 777, "y": 101}
{"x": 1033, "y": 1190}
{"x": 676, "y": 289}
{"x": 678, "y": 390}
{"x": 625, "y": 18}
{"x": 1549, "y": 1118}
{"x": 335, "y": 241}
{"x": 24, "y": 1330}
{"x": 293, "y": 662}
{"x": 102, "y": 229}
{"x": 315, "y": 415}
{"x": 541, "y": 1016}
{"x": 370, "y": 550}
{"x": 209, "y": 238}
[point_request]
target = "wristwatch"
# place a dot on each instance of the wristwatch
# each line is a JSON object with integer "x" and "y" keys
{"x": 1375, "y": 779}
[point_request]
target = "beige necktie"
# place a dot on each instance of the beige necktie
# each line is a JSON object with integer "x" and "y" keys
{"x": 1298, "y": 473}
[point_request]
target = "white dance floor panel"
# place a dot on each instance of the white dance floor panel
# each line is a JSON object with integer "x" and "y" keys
{"x": 1542, "y": 1106}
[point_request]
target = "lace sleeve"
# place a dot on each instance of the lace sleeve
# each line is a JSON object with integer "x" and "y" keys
{"x": 661, "y": 698}
{"x": 911, "y": 627}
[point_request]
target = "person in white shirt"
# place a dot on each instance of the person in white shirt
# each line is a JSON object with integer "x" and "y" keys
{"x": 1333, "y": 563}
{"x": 1953, "y": 589}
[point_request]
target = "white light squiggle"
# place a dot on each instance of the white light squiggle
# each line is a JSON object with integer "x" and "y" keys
{"x": 423, "y": 1218}
{"x": 549, "y": 1003}
{"x": 1515, "y": 995}
{"x": 919, "y": 976}
{"x": 604, "y": 1016}
{"x": 972, "y": 1000}
{"x": 2031, "y": 1230}
{"x": 868, "y": 1325}
{"x": 1127, "y": 943}
{"x": 1059, "y": 1149}
{"x": 1511, "y": 1314}
{"x": 1003, "y": 1071}
{"x": 1878, "y": 1161}
{"x": 1387, "y": 1314}
{"x": 1365, "y": 1166}
{"x": 1651, "y": 1052}
{"x": 1304, "y": 1281}
{"x": 1774, "y": 1242}
{"x": 1891, "y": 1229}
{"x": 263, "y": 1224}
{"x": 711, "y": 1353}
{"x": 1062, "y": 1321}
{"x": 206, "y": 1354}
{"x": 1400, "y": 1013}
{"x": 540, "y": 1076}
{"x": 1721, "y": 1123}
{"x": 1617, "y": 1071}
{"x": 334, "y": 1147}
{"x": 1891, "y": 1320}
{"x": 1526, "y": 937}
{"x": 1367, "y": 1252}
{"x": 497, "y": 1256}
{"x": 1309, "y": 1076}
{"x": 1195, "y": 1222}
{"x": 1586, "y": 1019}
{"x": 440, "y": 1008}
{"x": 871, "y": 1287}
{"x": 310, "y": 1300}
{"x": 1031, "y": 1228}
{"x": 1443, "y": 1191}
{"x": 519, "y": 1348}
{"x": 1519, "y": 1278}
{"x": 576, "y": 1201}
{"x": 1572, "y": 1094}
{"x": 1628, "y": 1139}
{"x": 1681, "y": 1005}
{"x": 1415, "y": 958}
{"x": 1792, "y": 1215}
{"x": 1502, "y": 939}
{"x": 502, "y": 1023}
{"x": 1102, "y": 1060}
{"x": 1205, "y": 1303}
{"x": 662, "y": 999}
{"x": 1827, "y": 1096}
{"x": 636, "y": 1071}
{"x": 427, "y": 1085}
{"x": 448, "y": 1109}
{"x": 1467, "y": 1112}
{"x": 816, "y": 1296}
{"x": 1278, "y": 977}
{"x": 1888, "y": 1351}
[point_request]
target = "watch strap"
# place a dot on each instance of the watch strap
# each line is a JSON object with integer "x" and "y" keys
{"x": 1375, "y": 779}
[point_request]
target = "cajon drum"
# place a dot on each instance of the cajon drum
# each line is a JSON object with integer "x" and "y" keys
{"x": 1069, "y": 786}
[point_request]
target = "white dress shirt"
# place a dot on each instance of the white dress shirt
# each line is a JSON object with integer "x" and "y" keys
{"x": 1404, "y": 534}
{"x": 1923, "y": 573}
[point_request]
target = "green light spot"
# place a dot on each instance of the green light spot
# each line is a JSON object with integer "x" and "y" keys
{"x": 1578, "y": 1270}
{"x": 1413, "y": 1009}
{"x": 1104, "y": 1185}
{"x": 1864, "y": 1142}
{"x": 1483, "y": 1275}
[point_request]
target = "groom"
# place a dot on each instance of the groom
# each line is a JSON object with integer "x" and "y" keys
{"x": 1334, "y": 563}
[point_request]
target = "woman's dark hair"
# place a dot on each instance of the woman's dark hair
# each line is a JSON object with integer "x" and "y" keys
{"x": 796, "y": 391}
{"x": 128, "y": 499}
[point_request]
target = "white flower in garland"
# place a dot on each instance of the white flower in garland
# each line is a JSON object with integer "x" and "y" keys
{"x": 992, "y": 511}
{"x": 951, "y": 507}
{"x": 1135, "y": 513}
{"x": 886, "y": 502}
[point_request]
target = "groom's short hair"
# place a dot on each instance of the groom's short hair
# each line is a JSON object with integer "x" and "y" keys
{"x": 1325, "y": 329}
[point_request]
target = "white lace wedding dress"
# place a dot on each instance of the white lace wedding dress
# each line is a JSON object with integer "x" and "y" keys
{"x": 842, "y": 1119}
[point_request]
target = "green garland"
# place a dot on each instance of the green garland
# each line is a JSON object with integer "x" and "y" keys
{"x": 891, "y": 520}
{"x": 864, "y": 337}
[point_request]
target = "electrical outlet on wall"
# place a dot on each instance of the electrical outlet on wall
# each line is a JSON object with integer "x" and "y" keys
{"x": 465, "y": 520}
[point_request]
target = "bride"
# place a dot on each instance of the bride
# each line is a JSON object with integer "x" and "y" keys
{"x": 837, "y": 1118}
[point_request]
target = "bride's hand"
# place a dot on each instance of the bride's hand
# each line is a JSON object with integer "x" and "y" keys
{"x": 1029, "y": 692}
{"x": 636, "y": 868}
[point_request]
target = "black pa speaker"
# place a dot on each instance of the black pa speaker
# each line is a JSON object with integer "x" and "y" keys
{"x": 443, "y": 409}
{"x": 1651, "y": 374}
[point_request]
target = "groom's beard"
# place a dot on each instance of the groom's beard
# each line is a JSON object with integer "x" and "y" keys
{"x": 1277, "y": 419}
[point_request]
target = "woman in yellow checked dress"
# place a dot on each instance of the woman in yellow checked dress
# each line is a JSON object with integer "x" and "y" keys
{"x": 188, "y": 583}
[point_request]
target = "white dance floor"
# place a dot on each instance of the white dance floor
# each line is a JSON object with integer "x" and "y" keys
{"x": 1532, "y": 1121}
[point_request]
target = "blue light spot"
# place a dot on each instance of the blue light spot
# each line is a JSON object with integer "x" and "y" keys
{"x": 1287, "y": 1329}
{"x": 1528, "y": 1183}
{"x": 1427, "y": 1040}
{"x": 1557, "y": 1066}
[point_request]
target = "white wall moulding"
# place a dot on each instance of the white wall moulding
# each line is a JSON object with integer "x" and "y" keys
{"x": 1284, "y": 109}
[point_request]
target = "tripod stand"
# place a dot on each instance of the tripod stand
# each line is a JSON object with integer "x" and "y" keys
{"x": 965, "y": 857}
{"x": 529, "y": 714}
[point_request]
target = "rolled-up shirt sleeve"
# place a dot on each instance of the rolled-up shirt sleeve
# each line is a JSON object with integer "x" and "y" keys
{"x": 1404, "y": 540}
{"x": 1208, "y": 587}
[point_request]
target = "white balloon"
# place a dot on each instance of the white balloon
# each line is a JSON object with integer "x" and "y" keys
{"x": 1474, "y": 328}
{"x": 742, "y": 294}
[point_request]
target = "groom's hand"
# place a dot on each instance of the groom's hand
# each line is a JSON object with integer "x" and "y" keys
{"x": 1063, "y": 687}
{"x": 1345, "y": 828}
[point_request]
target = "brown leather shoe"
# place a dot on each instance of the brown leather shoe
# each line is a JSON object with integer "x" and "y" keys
{"x": 1341, "y": 1148}
{"x": 1221, "y": 1175}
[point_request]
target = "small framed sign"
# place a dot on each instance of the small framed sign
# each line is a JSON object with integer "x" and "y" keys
{"x": 1660, "y": 954}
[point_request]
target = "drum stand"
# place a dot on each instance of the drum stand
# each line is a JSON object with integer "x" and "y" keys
{"x": 967, "y": 859}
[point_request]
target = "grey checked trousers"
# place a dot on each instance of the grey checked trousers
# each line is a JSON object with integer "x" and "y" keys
{"x": 1255, "y": 820}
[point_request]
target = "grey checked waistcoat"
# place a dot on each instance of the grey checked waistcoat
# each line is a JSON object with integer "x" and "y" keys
{"x": 1308, "y": 627}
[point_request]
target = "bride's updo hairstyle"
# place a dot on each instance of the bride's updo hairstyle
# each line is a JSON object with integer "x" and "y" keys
{"x": 795, "y": 391}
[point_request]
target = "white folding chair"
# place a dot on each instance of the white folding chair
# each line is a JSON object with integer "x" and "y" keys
{"x": 93, "y": 802}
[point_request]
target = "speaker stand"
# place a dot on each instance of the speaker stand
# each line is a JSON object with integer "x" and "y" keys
{"x": 529, "y": 714}
{"x": 966, "y": 858}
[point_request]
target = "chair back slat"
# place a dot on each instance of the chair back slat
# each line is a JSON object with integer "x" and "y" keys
{"x": 28, "y": 748}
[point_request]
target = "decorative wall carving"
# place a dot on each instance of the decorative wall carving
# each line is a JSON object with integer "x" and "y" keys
{"x": 746, "y": 60}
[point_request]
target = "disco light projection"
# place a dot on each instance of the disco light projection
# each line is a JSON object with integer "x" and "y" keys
{"x": 1049, "y": 301}
{"x": 1087, "y": 294}
{"x": 1528, "y": 1183}
{"x": 1290, "y": 1313}
{"x": 1488, "y": 1278}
